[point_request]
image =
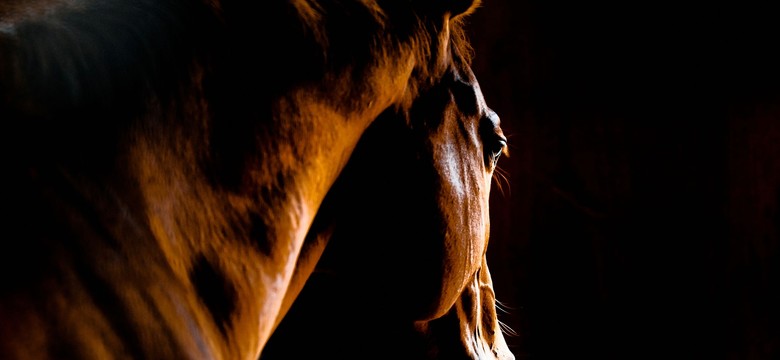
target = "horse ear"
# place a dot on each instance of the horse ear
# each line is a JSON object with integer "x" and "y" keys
{"x": 449, "y": 9}
{"x": 457, "y": 8}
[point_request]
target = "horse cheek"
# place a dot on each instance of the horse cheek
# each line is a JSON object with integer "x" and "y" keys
{"x": 462, "y": 208}
{"x": 479, "y": 210}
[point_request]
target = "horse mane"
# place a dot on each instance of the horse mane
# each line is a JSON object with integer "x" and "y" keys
{"x": 92, "y": 53}
{"x": 384, "y": 22}
{"x": 74, "y": 68}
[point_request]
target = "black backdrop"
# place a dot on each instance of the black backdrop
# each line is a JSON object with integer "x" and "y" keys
{"x": 641, "y": 214}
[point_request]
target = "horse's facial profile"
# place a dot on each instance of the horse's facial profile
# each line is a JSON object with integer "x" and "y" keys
{"x": 418, "y": 209}
{"x": 406, "y": 227}
{"x": 453, "y": 223}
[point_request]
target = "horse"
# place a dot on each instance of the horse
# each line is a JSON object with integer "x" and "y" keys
{"x": 395, "y": 262}
{"x": 164, "y": 159}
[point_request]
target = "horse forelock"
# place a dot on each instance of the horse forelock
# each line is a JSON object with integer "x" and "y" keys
{"x": 449, "y": 51}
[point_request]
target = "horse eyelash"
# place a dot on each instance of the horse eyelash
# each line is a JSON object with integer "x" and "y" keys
{"x": 501, "y": 177}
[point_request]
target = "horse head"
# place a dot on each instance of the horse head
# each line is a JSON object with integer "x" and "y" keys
{"x": 403, "y": 235}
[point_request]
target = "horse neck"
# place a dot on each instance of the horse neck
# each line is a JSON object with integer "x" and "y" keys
{"x": 245, "y": 235}
{"x": 209, "y": 258}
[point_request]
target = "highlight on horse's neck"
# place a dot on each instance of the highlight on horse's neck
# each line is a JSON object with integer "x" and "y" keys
{"x": 258, "y": 225}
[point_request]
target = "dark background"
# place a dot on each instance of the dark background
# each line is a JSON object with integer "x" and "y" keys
{"x": 640, "y": 219}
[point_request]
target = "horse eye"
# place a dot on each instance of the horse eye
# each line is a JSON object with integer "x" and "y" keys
{"x": 493, "y": 138}
{"x": 494, "y": 148}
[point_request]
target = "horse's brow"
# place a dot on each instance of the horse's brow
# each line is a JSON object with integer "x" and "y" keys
{"x": 466, "y": 98}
